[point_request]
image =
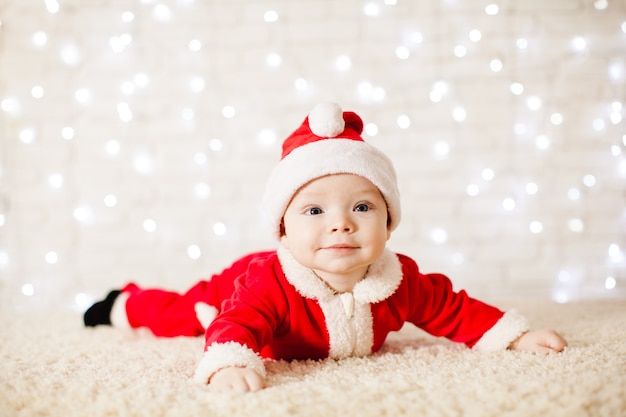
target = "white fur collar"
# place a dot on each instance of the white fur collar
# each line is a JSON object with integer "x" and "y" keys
{"x": 383, "y": 279}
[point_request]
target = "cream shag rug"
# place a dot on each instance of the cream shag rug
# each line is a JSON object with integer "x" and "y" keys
{"x": 52, "y": 366}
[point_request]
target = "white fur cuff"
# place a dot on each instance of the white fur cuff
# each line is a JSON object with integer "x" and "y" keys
{"x": 224, "y": 355}
{"x": 506, "y": 330}
{"x": 119, "y": 317}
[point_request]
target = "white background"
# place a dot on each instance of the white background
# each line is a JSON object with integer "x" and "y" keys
{"x": 136, "y": 136}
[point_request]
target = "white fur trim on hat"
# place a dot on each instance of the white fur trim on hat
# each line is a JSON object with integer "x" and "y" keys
{"x": 326, "y": 157}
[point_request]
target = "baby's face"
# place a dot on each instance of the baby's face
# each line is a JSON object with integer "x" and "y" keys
{"x": 337, "y": 226}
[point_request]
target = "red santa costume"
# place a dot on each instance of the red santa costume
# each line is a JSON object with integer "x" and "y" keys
{"x": 268, "y": 306}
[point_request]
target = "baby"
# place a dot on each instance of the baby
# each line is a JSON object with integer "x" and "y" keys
{"x": 332, "y": 289}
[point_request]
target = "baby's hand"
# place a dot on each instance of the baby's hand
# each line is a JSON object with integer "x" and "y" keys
{"x": 235, "y": 379}
{"x": 541, "y": 341}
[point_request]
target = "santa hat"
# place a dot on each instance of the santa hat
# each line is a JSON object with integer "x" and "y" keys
{"x": 328, "y": 142}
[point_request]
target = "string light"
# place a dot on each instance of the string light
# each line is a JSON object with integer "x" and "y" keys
{"x": 270, "y": 16}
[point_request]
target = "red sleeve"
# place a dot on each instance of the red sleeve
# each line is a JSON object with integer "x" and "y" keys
{"x": 254, "y": 312}
{"x": 436, "y": 308}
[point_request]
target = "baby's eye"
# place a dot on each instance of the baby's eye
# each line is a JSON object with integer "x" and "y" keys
{"x": 362, "y": 207}
{"x": 313, "y": 211}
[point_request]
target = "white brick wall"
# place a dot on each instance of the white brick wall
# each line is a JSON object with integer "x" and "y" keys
{"x": 489, "y": 251}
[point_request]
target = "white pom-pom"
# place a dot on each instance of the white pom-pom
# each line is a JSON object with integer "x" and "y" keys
{"x": 326, "y": 120}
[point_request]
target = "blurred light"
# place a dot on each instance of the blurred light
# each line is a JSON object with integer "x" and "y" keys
{"x": 143, "y": 163}
{"x": 589, "y": 180}
{"x": 533, "y": 103}
{"x": 195, "y": 45}
{"x": 267, "y": 137}
{"x": 598, "y": 125}
{"x": 127, "y": 88}
{"x": 202, "y": 190}
{"x": 492, "y": 9}
{"x": 162, "y": 13}
{"x": 576, "y": 225}
{"x": 70, "y": 55}
{"x": 488, "y": 174}
{"x": 343, "y": 63}
{"x": 128, "y": 17}
{"x": 82, "y": 95}
{"x": 68, "y": 133}
{"x": 270, "y": 16}
{"x": 197, "y": 84}
{"x": 460, "y": 51}
{"x": 615, "y": 253}
{"x": 556, "y": 119}
{"x": 439, "y": 236}
{"x": 55, "y": 180}
{"x": 149, "y": 225}
{"x": 459, "y": 114}
{"x": 600, "y": 4}
{"x": 110, "y": 200}
{"x": 521, "y": 43}
{"x": 28, "y": 290}
{"x": 187, "y": 114}
{"x": 52, "y": 6}
{"x": 403, "y": 121}
{"x": 496, "y": 65}
{"x": 83, "y": 301}
{"x": 573, "y": 194}
{"x": 219, "y": 229}
{"x": 416, "y": 37}
{"x": 542, "y": 142}
{"x": 475, "y": 35}
{"x": 216, "y": 145}
{"x": 301, "y": 84}
{"x": 11, "y": 105}
{"x": 112, "y": 147}
{"x": 200, "y": 158}
{"x": 458, "y": 258}
{"x": 2, "y": 220}
{"x": 52, "y": 257}
{"x": 535, "y": 227}
{"x": 194, "y": 252}
{"x": 27, "y": 135}
{"x": 371, "y": 129}
{"x": 472, "y": 190}
{"x": 4, "y": 259}
{"x": 124, "y": 112}
{"x": 402, "y": 52}
{"x": 40, "y": 39}
{"x": 517, "y": 88}
{"x": 531, "y": 188}
{"x": 141, "y": 79}
{"x": 610, "y": 283}
{"x": 273, "y": 60}
{"x": 441, "y": 149}
{"x": 579, "y": 44}
{"x": 84, "y": 214}
{"x": 228, "y": 112}
{"x": 371, "y": 9}
{"x": 438, "y": 90}
{"x": 508, "y": 204}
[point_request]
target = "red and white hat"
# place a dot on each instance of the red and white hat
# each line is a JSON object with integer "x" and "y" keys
{"x": 328, "y": 142}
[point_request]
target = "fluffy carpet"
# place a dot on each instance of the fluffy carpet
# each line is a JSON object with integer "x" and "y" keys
{"x": 52, "y": 366}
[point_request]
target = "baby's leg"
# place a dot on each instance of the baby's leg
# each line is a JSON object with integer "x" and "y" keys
{"x": 168, "y": 313}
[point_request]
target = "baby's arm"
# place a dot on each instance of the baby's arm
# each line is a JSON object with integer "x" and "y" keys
{"x": 541, "y": 341}
{"x": 236, "y": 379}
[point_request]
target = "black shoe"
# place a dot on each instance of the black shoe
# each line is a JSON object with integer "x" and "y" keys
{"x": 100, "y": 312}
